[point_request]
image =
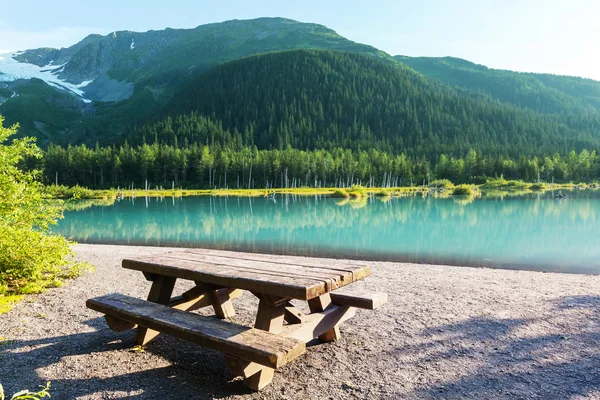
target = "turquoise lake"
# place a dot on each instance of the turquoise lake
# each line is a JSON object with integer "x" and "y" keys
{"x": 537, "y": 231}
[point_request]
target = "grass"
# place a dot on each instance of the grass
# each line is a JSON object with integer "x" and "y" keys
{"x": 7, "y": 302}
{"x": 340, "y": 194}
{"x": 444, "y": 186}
{"x": 517, "y": 185}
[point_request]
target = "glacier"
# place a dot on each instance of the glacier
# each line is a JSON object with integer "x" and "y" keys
{"x": 11, "y": 70}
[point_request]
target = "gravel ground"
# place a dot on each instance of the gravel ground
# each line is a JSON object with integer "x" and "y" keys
{"x": 446, "y": 333}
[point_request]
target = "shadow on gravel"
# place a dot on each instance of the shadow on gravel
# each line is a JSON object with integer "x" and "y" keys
{"x": 551, "y": 357}
{"x": 106, "y": 358}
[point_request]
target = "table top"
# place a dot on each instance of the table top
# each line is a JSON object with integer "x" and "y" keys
{"x": 281, "y": 276}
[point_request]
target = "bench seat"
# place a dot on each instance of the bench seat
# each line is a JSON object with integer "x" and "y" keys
{"x": 249, "y": 344}
{"x": 367, "y": 301}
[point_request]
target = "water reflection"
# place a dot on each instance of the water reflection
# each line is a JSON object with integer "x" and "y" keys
{"x": 529, "y": 232}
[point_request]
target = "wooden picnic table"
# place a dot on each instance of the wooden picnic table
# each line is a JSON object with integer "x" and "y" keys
{"x": 219, "y": 278}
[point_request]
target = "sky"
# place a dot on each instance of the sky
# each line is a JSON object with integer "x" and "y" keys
{"x": 550, "y": 36}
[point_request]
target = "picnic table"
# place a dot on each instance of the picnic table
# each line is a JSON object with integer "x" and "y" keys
{"x": 280, "y": 331}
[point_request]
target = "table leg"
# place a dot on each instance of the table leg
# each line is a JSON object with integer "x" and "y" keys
{"x": 221, "y": 301}
{"x": 160, "y": 292}
{"x": 269, "y": 318}
{"x": 320, "y": 304}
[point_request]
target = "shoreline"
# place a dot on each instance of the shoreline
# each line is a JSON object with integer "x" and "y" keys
{"x": 446, "y": 332}
{"x": 505, "y": 188}
{"x": 363, "y": 256}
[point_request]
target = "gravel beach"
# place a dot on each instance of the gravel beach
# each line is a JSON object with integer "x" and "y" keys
{"x": 446, "y": 333}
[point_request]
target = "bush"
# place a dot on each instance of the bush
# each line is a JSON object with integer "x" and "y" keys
{"x": 383, "y": 193}
{"x": 538, "y": 186}
{"x": 358, "y": 191}
{"x": 75, "y": 192}
{"x": 441, "y": 183}
{"x": 340, "y": 193}
{"x": 31, "y": 258}
{"x": 27, "y": 395}
{"x": 463, "y": 190}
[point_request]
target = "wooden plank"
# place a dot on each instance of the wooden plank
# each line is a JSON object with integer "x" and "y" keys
{"x": 275, "y": 259}
{"x": 368, "y": 301}
{"x": 246, "y": 343}
{"x": 222, "y": 304}
{"x": 320, "y": 304}
{"x": 118, "y": 325}
{"x": 239, "y": 367}
{"x": 336, "y": 278}
{"x": 293, "y": 315}
{"x": 265, "y": 268}
{"x": 276, "y": 275}
{"x": 269, "y": 318}
{"x": 160, "y": 293}
{"x": 297, "y": 288}
{"x": 317, "y": 324}
{"x": 204, "y": 300}
{"x": 357, "y": 273}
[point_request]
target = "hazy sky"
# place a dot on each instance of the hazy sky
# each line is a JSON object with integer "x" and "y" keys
{"x": 554, "y": 36}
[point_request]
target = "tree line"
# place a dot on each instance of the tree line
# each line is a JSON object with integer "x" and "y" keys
{"x": 206, "y": 166}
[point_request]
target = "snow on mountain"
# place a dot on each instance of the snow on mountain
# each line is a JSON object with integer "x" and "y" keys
{"x": 11, "y": 70}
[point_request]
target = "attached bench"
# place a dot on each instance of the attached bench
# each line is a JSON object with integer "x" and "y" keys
{"x": 250, "y": 344}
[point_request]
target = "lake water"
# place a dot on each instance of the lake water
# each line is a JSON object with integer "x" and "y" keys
{"x": 536, "y": 232}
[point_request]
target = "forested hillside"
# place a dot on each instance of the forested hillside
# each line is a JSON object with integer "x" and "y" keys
{"x": 322, "y": 118}
{"x": 127, "y": 76}
{"x": 311, "y": 99}
{"x": 572, "y": 97}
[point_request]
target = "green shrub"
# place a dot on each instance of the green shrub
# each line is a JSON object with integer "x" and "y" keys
{"x": 31, "y": 258}
{"x": 538, "y": 186}
{"x": 27, "y": 395}
{"x": 463, "y": 190}
{"x": 75, "y": 192}
{"x": 384, "y": 193}
{"x": 340, "y": 193}
{"x": 441, "y": 183}
{"x": 358, "y": 191}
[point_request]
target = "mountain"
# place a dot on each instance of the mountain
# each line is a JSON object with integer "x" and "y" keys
{"x": 277, "y": 83}
{"x": 126, "y": 76}
{"x": 321, "y": 118}
{"x": 550, "y": 94}
{"x": 310, "y": 99}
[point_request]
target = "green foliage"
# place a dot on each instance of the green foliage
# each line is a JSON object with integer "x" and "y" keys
{"x": 7, "y": 302}
{"x": 358, "y": 191}
{"x": 42, "y": 111}
{"x": 322, "y": 118}
{"x": 76, "y": 192}
{"x": 538, "y": 186}
{"x": 548, "y": 94}
{"x": 162, "y": 62}
{"x": 27, "y": 395}
{"x": 209, "y": 167}
{"x": 310, "y": 99}
{"x": 6, "y": 93}
{"x": 31, "y": 258}
{"x": 383, "y": 193}
{"x": 463, "y": 190}
{"x": 340, "y": 193}
{"x": 441, "y": 184}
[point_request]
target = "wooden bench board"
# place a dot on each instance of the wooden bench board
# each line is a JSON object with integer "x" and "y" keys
{"x": 272, "y": 275}
{"x": 246, "y": 343}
